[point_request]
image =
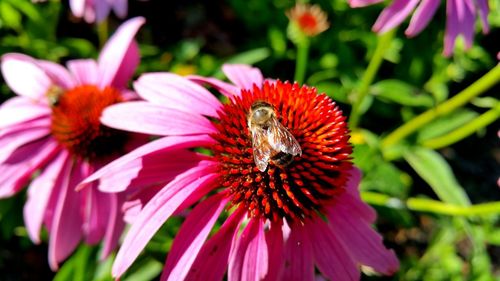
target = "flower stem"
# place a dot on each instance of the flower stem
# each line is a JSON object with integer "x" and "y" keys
{"x": 474, "y": 90}
{"x": 301, "y": 62}
{"x": 378, "y": 56}
{"x": 481, "y": 121}
{"x": 431, "y": 206}
{"x": 102, "y": 33}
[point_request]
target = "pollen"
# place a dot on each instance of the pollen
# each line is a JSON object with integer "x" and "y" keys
{"x": 76, "y": 125}
{"x": 311, "y": 180}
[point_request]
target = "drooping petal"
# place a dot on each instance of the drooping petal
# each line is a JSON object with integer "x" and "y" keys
{"x": 39, "y": 193}
{"x": 21, "y": 109}
{"x": 298, "y": 263}
{"x": 157, "y": 211}
{"x": 255, "y": 264}
{"x": 460, "y": 19}
{"x": 174, "y": 91}
{"x": 332, "y": 259}
{"x": 120, "y": 57}
{"x": 77, "y": 7}
{"x": 14, "y": 137}
{"x": 120, "y": 7}
{"x": 66, "y": 231}
{"x": 16, "y": 170}
{"x": 353, "y": 199}
{"x": 95, "y": 211}
{"x": 364, "y": 243}
{"x": 115, "y": 224}
{"x": 483, "y": 10}
{"x": 238, "y": 253}
{"x": 24, "y": 76}
{"x": 147, "y": 118}
{"x": 276, "y": 249}
{"x": 362, "y": 3}
{"x": 423, "y": 14}
{"x": 84, "y": 70}
{"x": 212, "y": 260}
{"x": 394, "y": 14}
{"x": 244, "y": 76}
{"x": 162, "y": 144}
{"x": 224, "y": 88}
{"x": 101, "y": 9}
{"x": 58, "y": 74}
{"x": 191, "y": 236}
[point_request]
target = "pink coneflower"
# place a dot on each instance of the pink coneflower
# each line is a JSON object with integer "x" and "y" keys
{"x": 461, "y": 17}
{"x": 98, "y": 10}
{"x": 298, "y": 211}
{"x": 53, "y": 126}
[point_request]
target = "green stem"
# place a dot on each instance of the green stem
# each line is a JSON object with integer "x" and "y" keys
{"x": 479, "y": 122}
{"x": 378, "y": 56}
{"x": 301, "y": 62}
{"x": 474, "y": 90}
{"x": 432, "y": 206}
{"x": 102, "y": 33}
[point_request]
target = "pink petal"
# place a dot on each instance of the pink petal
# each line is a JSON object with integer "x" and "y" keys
{"x": 460, "y": 20}
{"x": 364, "y": 243}
{"x": 298, "y": 263}
{"x": 148, "y": 118}
{"x": 174, "y": 91}
{"x": 58, "y": 74}
{"x": 16, "y": 171}
{"x": 394, "y": 14}
{"x": 120, "y": 57}
{"x": 115, "y": 224}
{"x": 66, "y": 232}
{"x": 77, "y": 7}
{"x": 244, "y": 76}
{"x": 331, "y": 257}
{"x": 276, "y": 249}
{"x": 14, "y": 137}
{"x": 162, "y": 144}
{"x": 362, "y": 3}
{"x": 95, "y": 213}
{"x": 212, "y": 260}
{"x": 101, "y": 9}
{"x": 151, "y": 169}
{"x": 24, "y": 76}
{"x": 353, "y": 199}
{"x": 21, "y": 109}
{"x": 238, "y": 253}
{"x": 84, "y": 70}
{"x": 255, "y": 264}
{"x": 191, "y": 236}
{"x": 229, "y": 90}
{"x": 422, "y": 16}
{"x": 158, "y": 210}
{"x": 483, "y": 10}
{"x": 39, "y": 193}
{"x": 120, "y": 8}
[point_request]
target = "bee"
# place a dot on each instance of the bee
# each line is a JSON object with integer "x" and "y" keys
{"x": 54, "y": 95}
{"x": 271, "y": 141}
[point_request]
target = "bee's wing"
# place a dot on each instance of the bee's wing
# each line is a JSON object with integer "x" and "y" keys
{"x": 282, "y": 140}
{"x": 261, "y": 149}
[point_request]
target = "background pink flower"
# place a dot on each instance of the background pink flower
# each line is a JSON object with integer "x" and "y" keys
{"x": 461, "y": 18}
{"x": 98, "y": 10}
{"x": 307, "y": 214}
{"x": 53, "y": 126}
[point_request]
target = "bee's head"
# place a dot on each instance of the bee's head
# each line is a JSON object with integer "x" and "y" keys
{"x": 261, "y": 112}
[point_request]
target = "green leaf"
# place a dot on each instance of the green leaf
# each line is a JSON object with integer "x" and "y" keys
{"x": 401, "y": 93}
{"x": 148, "y": 270}
{"x": 446, "y": 124}
{"x": 251, "y": 57}
{"x": 431, "y": 166}
{"x": 10, "y": 17}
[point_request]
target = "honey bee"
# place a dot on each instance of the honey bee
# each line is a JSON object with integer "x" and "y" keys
{"x": 271, "y": 141}
{"x": 54, "y": 94}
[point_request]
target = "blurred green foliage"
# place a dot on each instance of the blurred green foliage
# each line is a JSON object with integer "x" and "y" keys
{"x": 422, "y": 195}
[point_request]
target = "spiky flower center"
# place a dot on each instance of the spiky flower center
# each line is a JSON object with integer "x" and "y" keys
{"x": 76, "y": 125}
{"x": 299, "y": 189}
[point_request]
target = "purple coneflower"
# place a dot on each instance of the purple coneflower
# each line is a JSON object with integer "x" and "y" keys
{"x": 98, "y": 10}
{"x": 53, "y": 126}
{"x": 295, "y": 213}
{"x": 310, "y": 19}
{"x": 460, "y": 20}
